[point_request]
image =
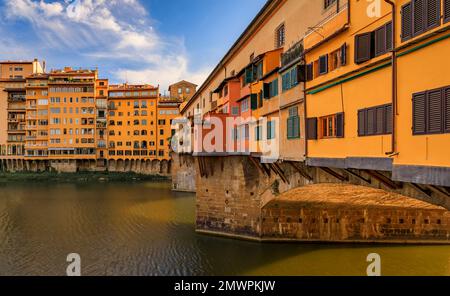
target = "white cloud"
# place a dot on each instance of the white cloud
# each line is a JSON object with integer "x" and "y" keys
{"x": 110, "y": 31}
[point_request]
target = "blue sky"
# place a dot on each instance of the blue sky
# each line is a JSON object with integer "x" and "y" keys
{"x": 153, "y": 41}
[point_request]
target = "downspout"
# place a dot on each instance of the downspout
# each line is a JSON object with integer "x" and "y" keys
{"x": 393, "y": 151}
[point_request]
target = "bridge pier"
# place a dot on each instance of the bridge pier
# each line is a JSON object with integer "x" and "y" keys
{"x": 238, "y": 196}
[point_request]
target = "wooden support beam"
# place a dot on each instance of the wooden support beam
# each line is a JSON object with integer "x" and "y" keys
{"x": 383, "y": 179}
{"x": 266, "y": 169}
{"x": 334, "y": 174}
{"x": 258, "y": 165}
{"x": 301, "y": 171}
{"x": 420, "y": 189}
{"x": 368, "y": 181}
{"x": 281, "y": 173}
{"x": 438, "y": 190}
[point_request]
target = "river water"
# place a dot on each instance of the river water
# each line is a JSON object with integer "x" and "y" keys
{"x": 145, "y": 229}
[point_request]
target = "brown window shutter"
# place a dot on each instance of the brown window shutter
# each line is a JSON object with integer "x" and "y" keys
{"x": 323, "y": 64}
{"x": 389, "y": 36}
{"x": 446, "y": 102}
{"x": 434, "y": 111}
{"x": 407, "y": 22}
{"x": 433, "y": 14}
{"x": 301, "y": 73}
{"x": 446, "y": 11}
{"x": 340, "y": 125}
{"x": 419, "y": 114}
{"x": 362, "y": 114}
{"x": 266, "y": 89}
{"x": 363, "y": 47}
{"x": 388, "y": 119}
{"x": 380, "y": 123}
{"x": 419, "y": 16}
{"x": 380, "y": 41}
{"x": 344, "y": 54}
{"x": 309, "y": 72}
{"x": 371, "y": 128}
{"x": 311, "y": 128}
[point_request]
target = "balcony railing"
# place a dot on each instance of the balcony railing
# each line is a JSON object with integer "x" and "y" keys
{"x": 294, "y": 53}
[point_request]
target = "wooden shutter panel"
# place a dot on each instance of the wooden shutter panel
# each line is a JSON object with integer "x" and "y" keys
{"x": 301, "y": 73}
{"x": 389, "y": 42}
{"x": 254, "y": 101}
{"x": 388, "y": 119}
{"x": 419, "y": 113}
{"x": 323, "y": 64}
{"x": 362, "y": 122}
{"x": 309, "y": 72}
{"x": 407, "y": 21}
{"x": 311, "y": 128}
{"x": 344, "y": 54}
{"x": 446, "y": 98}
{"x": 419, "y": 16}
{"x": 363, "y": 47}
{"x": 446, "y": 11}
{"x": 370, "y": 122}
{"x": 380, "y": 41}
{"x": 266, "y": 90}
{"x": 434, "y": 111}
{"x": 380, "y": 122}
{"x": 296, "y": 126}
{"x": 340, "y": 125}
{"x": 433, "y": 14}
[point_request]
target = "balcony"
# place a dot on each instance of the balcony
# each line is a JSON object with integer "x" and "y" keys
{"x": 20, "y": 107}
{"x": 292, "y": 54}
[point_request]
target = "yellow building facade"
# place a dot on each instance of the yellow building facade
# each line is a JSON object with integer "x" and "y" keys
{"x": 378, "y": 90}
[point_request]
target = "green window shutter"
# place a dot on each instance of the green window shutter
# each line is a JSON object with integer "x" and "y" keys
{"x": 289, "y": 128}
{"x": 269, "y": 130}
{"x": 296, "y": 127}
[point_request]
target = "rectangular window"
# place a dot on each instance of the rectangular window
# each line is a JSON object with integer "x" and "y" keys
{"x": 258, "y": 133}
{"x": 271, "y": 89}
{"x": 323, "y": 64}
{"x": 420, "y": 16}
{"x": 331, "y": 126}
{"x": 363, "y": 47}
{"x": 245, "y": 105}
{"x": 328, "y": 3}
{"x": 383, "y": 39}
{"x": 271, "y": 130}
{"x": 293, "y": 124}
{"x": 431, "y": 112}
{"x": 375, "y": 121}
{"x": 446, "y": 11}
{"x": 280, "y": 36}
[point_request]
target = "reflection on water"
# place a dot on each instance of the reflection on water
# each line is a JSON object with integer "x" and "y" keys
{"x": 145, "y": 229}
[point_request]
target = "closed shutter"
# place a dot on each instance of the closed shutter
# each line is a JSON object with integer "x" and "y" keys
{"x": 362, "y": 122}
{"x": 446, "y": 11}
{"x": 344, "y": 54}
{"x": 290, "y": 132}
{"x": 407, "y": 21}
{"x": 254, "y": 101}
{"x": 311, "y": 128}
{"x": 266, "y": 89}
{"x": 363, "y": 47}
{"x": 275, "y": 87}
{"x": 301, "y": 73}
{"x": 269, "y": 130}
{"x": 371, "y": 121}
{"x": 447, "y": 110}
{"x": 340, "y": 125}
{"x": 388, "y": 119}
{"x": 380, "y": 41}
{"x": 434, "y": 111}
{"x": 323, "y": 64}
{"x": 419, "y": 111}
{"x": 309, "y": 72}
{"x": 419, "y": 16}
{"x": 296, "y": 126}
{"x": 389, "y": 42}
{"x": 380, "y": 122}
{"x": 433, "y": 14}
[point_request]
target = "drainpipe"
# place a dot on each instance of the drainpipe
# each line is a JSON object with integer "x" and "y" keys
{"x": 394, "y": 81}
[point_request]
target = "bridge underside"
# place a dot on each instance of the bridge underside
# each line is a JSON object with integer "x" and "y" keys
{"x": 240, "y": 197}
